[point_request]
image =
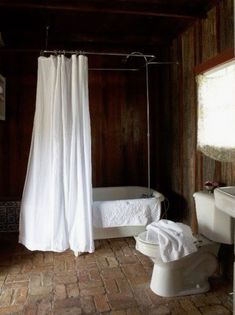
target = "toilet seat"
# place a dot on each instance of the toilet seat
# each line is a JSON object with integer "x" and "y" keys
{"x": 147, "y": 248}
{"x": 151, "y": 249}
{"x": 199, "y": 239}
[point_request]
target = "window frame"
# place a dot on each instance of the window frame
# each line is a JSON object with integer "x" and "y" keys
{"x": 220, "y": 60}
{"x": 224, "y": 57}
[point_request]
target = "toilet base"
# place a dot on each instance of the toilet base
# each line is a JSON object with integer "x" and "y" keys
{"x": 185, "y": 280}
{"x": 170, "y": 288}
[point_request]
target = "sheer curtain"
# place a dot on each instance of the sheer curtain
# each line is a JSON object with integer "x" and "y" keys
{"x": 57, "y": 199}
{"x": 216, "y": 113}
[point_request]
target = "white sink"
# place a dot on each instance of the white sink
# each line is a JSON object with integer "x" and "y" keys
{"x": 225, "y": 199}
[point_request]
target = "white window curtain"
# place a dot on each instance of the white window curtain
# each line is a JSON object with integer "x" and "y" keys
{"x": 216, "y": 113}
{"x": 56, "y": 206}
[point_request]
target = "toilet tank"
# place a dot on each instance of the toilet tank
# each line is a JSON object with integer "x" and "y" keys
{"x": 213, "y": 223}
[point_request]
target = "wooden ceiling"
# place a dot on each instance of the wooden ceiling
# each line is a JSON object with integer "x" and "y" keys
{"x": 97, "y": 24}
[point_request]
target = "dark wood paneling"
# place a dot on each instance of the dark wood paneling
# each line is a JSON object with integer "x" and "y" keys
{"x": 188, "y": 115}
{"x": 15, "y": 131}
{"x": 98, "y": 25}
{"x": 226, "y": 24}
{"x": 118, "y": 116}
{"x": 119, "y": 126}
{"x": 118, "y": 121}
{"x": 201, "y": 42}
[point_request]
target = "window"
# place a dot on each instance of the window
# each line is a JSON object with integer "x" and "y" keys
{"x": 216, "y": 112}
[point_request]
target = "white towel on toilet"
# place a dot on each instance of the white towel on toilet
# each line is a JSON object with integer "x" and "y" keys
{"x": 174, "y": 239}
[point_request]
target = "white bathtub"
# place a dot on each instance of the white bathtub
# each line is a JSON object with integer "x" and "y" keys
{"x": 127, "y": 206}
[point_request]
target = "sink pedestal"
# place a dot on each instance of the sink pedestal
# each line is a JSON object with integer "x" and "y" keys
{"x": 225, "y": 202}
{"x": 234, "y": 279}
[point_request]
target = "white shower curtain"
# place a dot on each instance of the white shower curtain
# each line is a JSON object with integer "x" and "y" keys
{"x": 56, "y": 211}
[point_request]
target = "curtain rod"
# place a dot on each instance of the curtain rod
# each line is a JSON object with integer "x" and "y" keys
{"x": 81, "y": 52}
{"x": 113, "y": 69}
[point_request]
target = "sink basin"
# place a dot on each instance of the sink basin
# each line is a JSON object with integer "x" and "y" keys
{"x": 225, "y": 199}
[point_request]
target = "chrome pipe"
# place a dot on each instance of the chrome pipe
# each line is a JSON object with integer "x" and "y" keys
{"x": 138, "y": 54}
{"x": 114, "y": 69}
{"x": 81, "y": 52}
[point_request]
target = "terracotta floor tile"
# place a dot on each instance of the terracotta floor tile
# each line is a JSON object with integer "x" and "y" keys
{"x": 113, "y": 280}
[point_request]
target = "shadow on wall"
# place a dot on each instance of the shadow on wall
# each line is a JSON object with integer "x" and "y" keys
{"x": 178, "y": 210}
{"x": 225, "y": 258}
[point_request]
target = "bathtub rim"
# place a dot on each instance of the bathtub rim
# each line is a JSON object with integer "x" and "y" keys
{"x": 154, "y": 192}
{"x": 123, "y": 231}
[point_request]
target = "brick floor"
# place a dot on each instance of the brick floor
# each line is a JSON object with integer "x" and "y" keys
{"x": 113, "y": 280}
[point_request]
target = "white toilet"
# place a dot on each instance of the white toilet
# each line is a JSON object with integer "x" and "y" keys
{"x": 189, "y": 275}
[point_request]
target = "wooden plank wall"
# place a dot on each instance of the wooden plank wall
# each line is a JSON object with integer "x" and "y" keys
{"x": 117, "y": 102}
{"x": 118, "y": 120}
{"x": 118, "y": 123}
{"x": 15, "y": 132}
{"x": 187, "y": 169}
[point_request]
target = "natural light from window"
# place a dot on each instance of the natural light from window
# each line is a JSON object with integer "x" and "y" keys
{"x": 216, "y": 112}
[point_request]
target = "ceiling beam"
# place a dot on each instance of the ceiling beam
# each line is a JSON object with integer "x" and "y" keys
{"x": 90, "y": 8}
{"x": 59, "y": 39}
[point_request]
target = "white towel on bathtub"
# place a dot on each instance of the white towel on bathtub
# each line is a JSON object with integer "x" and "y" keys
{"x": 127, "y": 212}
{"x": 174, "y": 239}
